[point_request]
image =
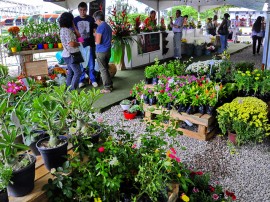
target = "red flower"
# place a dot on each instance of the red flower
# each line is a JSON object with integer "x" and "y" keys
{"x": 211, "y": 188}
{"x": 101, "y": 149}
{"x": 173, "y": 150}
{"x": 199, "y": 173}
{"x": 231, "y": 194}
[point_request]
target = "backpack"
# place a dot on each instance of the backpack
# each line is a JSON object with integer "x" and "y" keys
{"x": 224, "y": 29}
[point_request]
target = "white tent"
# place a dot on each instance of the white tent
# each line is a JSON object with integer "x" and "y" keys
{"x": 68, "y": 4}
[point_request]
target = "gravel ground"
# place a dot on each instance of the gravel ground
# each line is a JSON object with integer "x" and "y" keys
{"x": 246, "y": 172}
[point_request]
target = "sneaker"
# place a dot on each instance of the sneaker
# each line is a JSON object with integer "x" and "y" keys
{"x": 81, "y": 85}
{"x": 95, "y": 84}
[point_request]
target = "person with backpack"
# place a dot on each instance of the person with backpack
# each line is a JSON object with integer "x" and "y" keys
{"x": 223, "y": 31}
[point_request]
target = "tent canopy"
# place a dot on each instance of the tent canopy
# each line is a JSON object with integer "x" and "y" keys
{"x": 202, "y": 5}
{"x": 68, "y": 4}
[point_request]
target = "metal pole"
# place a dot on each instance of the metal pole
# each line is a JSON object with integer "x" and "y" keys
{"x": 266, "y": 57}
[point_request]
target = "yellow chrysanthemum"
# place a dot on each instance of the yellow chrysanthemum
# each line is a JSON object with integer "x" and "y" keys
{"x": 184, "y": 197}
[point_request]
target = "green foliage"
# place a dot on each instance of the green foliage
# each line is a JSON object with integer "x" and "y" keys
{"x": 5, "y": 175}
{"x": 125, "y": 102}
{"x": 244, "y": 66}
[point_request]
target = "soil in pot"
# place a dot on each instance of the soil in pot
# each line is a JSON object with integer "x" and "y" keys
{"x": 53, "y": 157}
{"x": 23, "y": 179}
{"x": 40, "y": 134}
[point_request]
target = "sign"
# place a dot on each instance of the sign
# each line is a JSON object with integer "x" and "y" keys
{"x": 148, "y": 42}
{"x": 97, "y": 5}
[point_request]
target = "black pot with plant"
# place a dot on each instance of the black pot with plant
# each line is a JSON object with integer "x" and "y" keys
{"x": 22, "y": 180}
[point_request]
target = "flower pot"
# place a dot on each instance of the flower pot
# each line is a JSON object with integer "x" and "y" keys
{"x": 191, "y": 109}
{"x": 152, "y": 101}
{"x": 55, "y": 45}
{"x": 210, "y": 110}
{"x": 3, "y": 196}
{"x": 145, "y": 99}
{"x": 148, "y": 80}
{"x": 182, "y": 108}
{"x": 202, "y": 109}
{"x": 22, "y": 180}
{"x": 46, "y": 46}
{"x": 33, "y": 145}
{"x": 50, "y": 45}
{"x": 112, "y": 69}
{"x": 232, "y": 137}
{"x": 53, "y": 157}
{"x": 155, "y": 80}
{"x": 40, "y": 46}
{"x": 13, "y": 49}
{"x": 60, "y": 45}
{"x": 125, "y": 107}
{"x": 129, "y": 115}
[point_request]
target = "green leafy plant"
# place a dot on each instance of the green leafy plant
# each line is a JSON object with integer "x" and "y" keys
{"x": 5, "y": 175}
{"x": 134, "y": 108}
{"x": 125, "y": 102}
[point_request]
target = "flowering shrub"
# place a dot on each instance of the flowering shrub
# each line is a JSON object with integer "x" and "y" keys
{"x": 121, "y": 30}
{"x": 14, "y": 30}
{"x": 247, "y": 116}
{"x": 137, "y": 24}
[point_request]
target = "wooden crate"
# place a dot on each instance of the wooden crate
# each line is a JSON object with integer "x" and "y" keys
{"x": 41, "y": 178}
{"x": 204, "y": 123}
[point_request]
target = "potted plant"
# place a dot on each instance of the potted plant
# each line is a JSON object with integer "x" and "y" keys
{"x": 49, "y": 115}
{"x": 132, "y": 112}
{"x": 125, "y": 104}
{"x": 22, "y": 164}
{"x": 245, "y": 116}
{"x": 14, "y": 44}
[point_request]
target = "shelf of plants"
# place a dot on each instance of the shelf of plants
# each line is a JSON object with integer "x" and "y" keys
{"x": 198, "y": 126}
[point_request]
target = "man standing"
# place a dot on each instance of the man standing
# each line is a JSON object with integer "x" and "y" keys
{"x": 177, "y": 28}
{"x": 103, "y": 37}
{"x": 85, "y": 26}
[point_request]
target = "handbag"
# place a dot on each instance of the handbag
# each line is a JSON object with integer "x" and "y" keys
{"x": 76, "y": 58}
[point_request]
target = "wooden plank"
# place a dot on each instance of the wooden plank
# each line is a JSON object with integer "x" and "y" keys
{"x": 31, "y": 52}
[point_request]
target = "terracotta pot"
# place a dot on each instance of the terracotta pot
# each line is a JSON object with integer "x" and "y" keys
{"x": 232, "y": 137}
{"x": 112, "y": 69}
{"x": 129, "y": 115}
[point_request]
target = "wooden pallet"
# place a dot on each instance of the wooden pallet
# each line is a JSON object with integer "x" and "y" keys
{"x": 204, "y": 123}
{"x": 41, "y": 178}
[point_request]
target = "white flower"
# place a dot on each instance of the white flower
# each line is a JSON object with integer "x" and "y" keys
{"x": 72, "y": 130}
{"x": 114, "y": 162}
{"x": 170, "y": 81}
{"x": 217, "y": 88}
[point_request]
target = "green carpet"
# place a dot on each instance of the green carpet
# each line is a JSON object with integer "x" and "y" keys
{"x": 124, "y": 80}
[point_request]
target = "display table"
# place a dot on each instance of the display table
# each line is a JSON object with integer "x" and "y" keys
{"x": 27, "y": 56}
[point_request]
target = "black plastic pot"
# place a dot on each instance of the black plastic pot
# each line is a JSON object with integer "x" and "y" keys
{"x": 148, "y": 80}
{"x": 201, "y": 109}
{"x": 210, "y": 110}
{"x": 22, "y": 180}
{"x": 152, "y": 101}
{"x": 145, "y": 99}
{"x": 191, "y": 110}
{"x": 33, "y": 146}
{"x": 182, "y": 108}
{"x": 53, "y": 157}
{"x": 155, "y": 80}
{"x": 3, "y": 196}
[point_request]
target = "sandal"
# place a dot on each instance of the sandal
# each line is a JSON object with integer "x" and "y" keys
{"x": 105, "y": 91}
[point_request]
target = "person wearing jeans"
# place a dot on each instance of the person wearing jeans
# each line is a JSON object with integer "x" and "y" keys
{"x": 68, "y": 39}
{"x": 257, "y": 34}
{"x": 103, "y": 50}
{"x": 223, "y": 31}
{"x": 177, "y": 28}
{"x": 84, "y": 28}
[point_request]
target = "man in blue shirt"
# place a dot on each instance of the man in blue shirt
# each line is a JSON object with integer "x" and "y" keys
{"x": 85, "y": 26}
{"x": 177, "y": 27}
{"x": 103, "y": 37}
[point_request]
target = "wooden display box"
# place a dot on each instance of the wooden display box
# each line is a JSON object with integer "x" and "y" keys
{"x": 36, "y": 68}
{"x": 203, "y": 125}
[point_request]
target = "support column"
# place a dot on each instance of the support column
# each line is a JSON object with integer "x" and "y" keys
{"x": 266, "y": 45}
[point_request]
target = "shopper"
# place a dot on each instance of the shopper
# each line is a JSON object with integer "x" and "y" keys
{"x": 85, "y": 26}
{"x": 210, "y": 29}
{"x": 177, "y": 27}
{"x": 103, "y": 37}
{"x": 257, "y": 34}
{"x": 223, "y": 31}
{"x": 68, "y": 39}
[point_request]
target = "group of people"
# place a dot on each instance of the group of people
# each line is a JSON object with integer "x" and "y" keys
{"x": 92, "y": 37}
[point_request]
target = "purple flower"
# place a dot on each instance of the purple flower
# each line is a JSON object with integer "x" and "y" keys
{"x": 215, "y": 197}
{"x": 195, "y": 190}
